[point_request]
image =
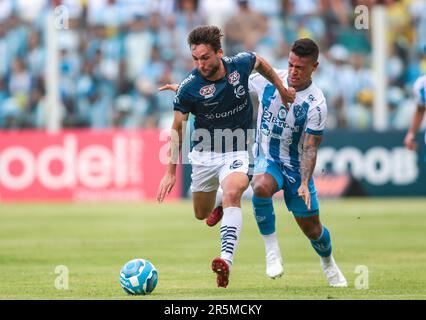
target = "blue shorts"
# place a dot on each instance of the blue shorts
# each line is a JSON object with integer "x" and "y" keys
{"x": 289, "y": 181}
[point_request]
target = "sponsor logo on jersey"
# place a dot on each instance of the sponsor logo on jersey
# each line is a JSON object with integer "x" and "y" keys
{"x": 268, "y": 117}
{"x": 184, "y": 82}
{"x": 236, "y": 164}
{"x": 227, "y": 59}
{"x": 319, "y": 116}
{"x": 234, "y": 78}
{"x": 311, "y": 98}
{"x": 265, "y": 131}
{"x": 208, "y": 91}
{"x": 226, "y": 114}
{"x": 239, "y": 92}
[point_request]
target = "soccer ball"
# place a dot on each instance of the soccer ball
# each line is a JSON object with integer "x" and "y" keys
{"x": 138, "y": 277}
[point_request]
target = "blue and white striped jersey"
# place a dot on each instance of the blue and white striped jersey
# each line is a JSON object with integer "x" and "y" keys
{"x": 420, "y": 91}
{"x": 280, "y": 134}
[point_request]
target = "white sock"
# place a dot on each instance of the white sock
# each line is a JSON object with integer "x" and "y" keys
{"x": 232, "y": 222}
{"x": 219, "y": 195}
{"x": 271, "y": 242}
{"x": 326, "y": 260}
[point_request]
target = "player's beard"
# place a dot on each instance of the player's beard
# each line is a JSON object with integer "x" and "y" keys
{"x": 213, "y": 71}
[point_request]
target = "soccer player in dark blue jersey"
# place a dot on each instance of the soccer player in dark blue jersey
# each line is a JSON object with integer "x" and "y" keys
{"x": 216, "y": 93}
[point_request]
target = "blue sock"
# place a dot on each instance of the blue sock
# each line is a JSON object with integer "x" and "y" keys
{"x": 322, "y": 245}
{"x": 264, "y": 214}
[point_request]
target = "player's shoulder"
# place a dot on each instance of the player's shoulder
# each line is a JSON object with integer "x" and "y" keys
{"x": 283, "y": 73}
{"x": 317, "y": 91}
{"x": 257, "y": 78}
{"x": 420, "y": 82}
{"x": 419, "y": 90}
{"x": 315, "y": 96}
{"x": 187, "y": 83}
{"x": 239, "y": 56}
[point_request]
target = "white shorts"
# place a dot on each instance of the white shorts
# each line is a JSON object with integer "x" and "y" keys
{"x": 209, "y": 169}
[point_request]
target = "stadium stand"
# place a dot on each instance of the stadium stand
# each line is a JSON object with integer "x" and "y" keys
{"x": 114, "y": 54}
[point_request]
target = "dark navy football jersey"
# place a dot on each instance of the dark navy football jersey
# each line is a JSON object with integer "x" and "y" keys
{"x": 222, "y": 109}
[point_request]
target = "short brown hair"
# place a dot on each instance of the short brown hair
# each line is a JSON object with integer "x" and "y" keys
{"x": 206, "y": 35}
{"x": 305, "y": 48}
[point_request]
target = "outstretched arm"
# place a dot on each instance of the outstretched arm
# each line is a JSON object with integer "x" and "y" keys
{"x": 173, "y": 87}
{"x": 169, "y": 178}
{"x": 307, "y": 166}
{"x": 266, "y": 70}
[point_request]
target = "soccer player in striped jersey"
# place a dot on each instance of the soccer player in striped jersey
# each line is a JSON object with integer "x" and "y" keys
{"x": 420, "y": 96}
{"x": 216, "y": 93}
{"x": 285, "y": 151}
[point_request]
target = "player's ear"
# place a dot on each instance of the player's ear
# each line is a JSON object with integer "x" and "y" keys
{"x": 316, "y": 63}
{"x": 220, "y": 53}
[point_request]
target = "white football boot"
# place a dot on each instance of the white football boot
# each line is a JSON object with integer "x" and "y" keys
{"x": 274, "y": 263}
{"x": 332, "y": 272}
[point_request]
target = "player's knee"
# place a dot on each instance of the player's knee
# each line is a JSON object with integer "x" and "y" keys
{"x": 261, "y": 190}
{"x": 200, "y": 213}
{"x": 313, "y": 232}
{"x": 231, "y": 196}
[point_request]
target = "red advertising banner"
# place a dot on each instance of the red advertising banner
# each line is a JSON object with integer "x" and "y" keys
{"x": 82, "y": 165}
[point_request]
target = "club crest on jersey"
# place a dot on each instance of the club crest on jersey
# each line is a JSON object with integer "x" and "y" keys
{"x": 236, "y": 164}
{"x": 282, "y": 113}
{"x": 239, "y": 92}
{"x": 299, "y": 112}
{"x": 234, "y": 78}
{"x": 208, "y": 91}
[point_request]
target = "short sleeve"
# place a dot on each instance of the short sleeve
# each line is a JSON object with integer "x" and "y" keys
{"x": 420, "y": 91}
{"x": 246, "y": 59}
{"x": 182, "y": 101}
{"x": 257, "y": 82}
{"x": 181, "y": 104}
{"x": 317, "y": 117}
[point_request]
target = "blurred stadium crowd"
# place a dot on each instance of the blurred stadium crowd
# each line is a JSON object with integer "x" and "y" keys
{"x": 114, "y": 54}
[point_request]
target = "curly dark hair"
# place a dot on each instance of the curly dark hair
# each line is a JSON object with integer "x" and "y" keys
{"x": 206, "y": 35}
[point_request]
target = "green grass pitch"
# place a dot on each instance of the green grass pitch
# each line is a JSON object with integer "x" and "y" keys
{"x": 93, "y": 241}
